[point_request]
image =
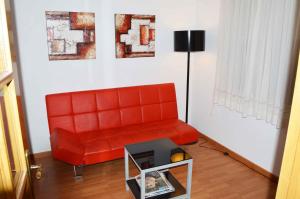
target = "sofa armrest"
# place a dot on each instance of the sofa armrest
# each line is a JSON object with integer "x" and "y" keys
{"x": 64, "y": 140}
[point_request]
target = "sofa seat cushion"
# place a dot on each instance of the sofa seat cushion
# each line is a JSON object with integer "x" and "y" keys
{"x": 89, "y": 136}
{"x": 187, "y": 133}
{"x": 95, "y": 150}
{"x": 119, "y": 137}
{"x": 105, "y": 145}
{"x": 146, "y": 136}
{"x": 115, "y": 139}
{"x": 176, "y": 130}
{"x": 96, "y": 146}
{"x": 118, "y": 142}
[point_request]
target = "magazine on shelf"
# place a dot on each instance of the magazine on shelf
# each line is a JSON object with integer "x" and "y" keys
{"x": 155, "y": 184}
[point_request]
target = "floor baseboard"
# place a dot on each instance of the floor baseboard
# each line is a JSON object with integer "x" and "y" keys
{"x": 241, "y": 159}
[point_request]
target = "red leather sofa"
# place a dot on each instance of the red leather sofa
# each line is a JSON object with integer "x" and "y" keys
{"x": 89, "y": 127}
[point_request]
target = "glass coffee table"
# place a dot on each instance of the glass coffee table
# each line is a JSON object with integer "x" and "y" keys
{"x": 157, "y": 155}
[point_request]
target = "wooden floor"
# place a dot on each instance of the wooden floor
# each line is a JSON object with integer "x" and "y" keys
{"x": 214, "y": 176}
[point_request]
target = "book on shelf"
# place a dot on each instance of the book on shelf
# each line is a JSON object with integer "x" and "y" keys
{"x": 156, "y": 183}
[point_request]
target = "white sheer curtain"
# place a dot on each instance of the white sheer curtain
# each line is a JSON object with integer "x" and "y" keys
{"x": 254, "y": 68}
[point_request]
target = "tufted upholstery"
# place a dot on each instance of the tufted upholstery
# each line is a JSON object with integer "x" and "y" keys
{"x": 88, "y": 127}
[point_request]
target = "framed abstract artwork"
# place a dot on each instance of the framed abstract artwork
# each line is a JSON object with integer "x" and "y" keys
{"x": 135, "y": 35}
{"x": 71, "y": 35}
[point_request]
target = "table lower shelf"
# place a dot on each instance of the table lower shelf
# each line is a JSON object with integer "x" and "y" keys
{"x": 179, "y": 189}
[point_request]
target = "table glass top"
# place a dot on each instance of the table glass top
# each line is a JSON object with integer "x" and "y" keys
{"x": 156, "y": 153}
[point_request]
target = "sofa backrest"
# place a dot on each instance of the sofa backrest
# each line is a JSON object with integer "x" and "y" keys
{"x": 95, "y": 110}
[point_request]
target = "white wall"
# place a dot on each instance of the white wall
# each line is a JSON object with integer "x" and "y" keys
{"x": 252, "y": 139}
{"x": 255, "y": 140}
{"x": 41, "y": 76}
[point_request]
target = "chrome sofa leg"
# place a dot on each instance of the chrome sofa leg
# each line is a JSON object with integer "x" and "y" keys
{"x": 78, "y": 170}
